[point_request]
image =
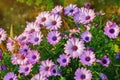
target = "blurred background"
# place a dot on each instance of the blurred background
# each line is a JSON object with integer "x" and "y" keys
{"x": 18, "y": 12}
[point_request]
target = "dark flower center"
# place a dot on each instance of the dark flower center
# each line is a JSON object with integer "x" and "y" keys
{"x": 54, "y": 22}
{"x": 64, "y": 60}
{"x": 32, "y": 30}
{"x": 54, "y": 71}
{"x": 26, "y": 69}
{"x": 87, "y": 38}
{"x": 24, "y": 37}
{"x": 74, "y": 48}
{"x": 43, "y": 19}
{"x": 47, "y": 68}
{"x": 112, "y": 31}
{"x": 87, "y": 17}
{"x": 11, "y": 79}
{"x": 82, "y": 76}
{"x": 34, "y": 57}
{"x": 104, "y": 61}
{"x": 87, "y": 58}
{"x": 0, "y": 36}
{"x": 54, "y": 38}
{"x": 71, "y": 10}
{"x": 36, "y": 39}
{"x": 25, "y": 50}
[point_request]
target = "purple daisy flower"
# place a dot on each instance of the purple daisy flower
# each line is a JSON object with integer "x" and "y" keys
{"x": 2, "y": 35}
{"x": 19, "y": 59}
{"x": 45, "y": 68}
{"x": 83, "y": 74}
{"x": 57, "y": 10}
{"x": 3, "y": 67}
{"x": 63, "y": 60}
{"x": 53, "y": 37}
{"x": 87, "y": 58}
{"x": 42, "y": 18}
{"x": 32, "y": 27}
{"x": 36, "y": 38}
{"x": 103, "y": 76}
{"x": 71, "y": 10}
{"x": 10, "y": 76}
{"x": 25, "y": 69}
{"x": 86, "y": 36}
{"x": 111, "y": 30}
{"x": 84, "y": 15}
{"x": 54, "y": 22}
{"x": 55, "y": 71}
{"x": 39, "y": 77}
{"x": 105, "y": 61}
{"x": 74, "y": 47}
{"x": 33, "y": 56}
{"x": 24, "y": 49}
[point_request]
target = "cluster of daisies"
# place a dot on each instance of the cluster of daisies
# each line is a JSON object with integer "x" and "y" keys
{"x": 26, "y": 58}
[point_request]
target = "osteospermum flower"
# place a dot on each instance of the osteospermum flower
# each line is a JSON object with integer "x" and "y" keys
{"x": 42, "y": 18}
{"x": 24, "y": 49}
{"x": 10, "y": 76}
{"x": 55, "y": 71}
{"x": 71, "y": 10}
{"x": 39, "y": 77}
{"x": 36, "y": 38}
{"x": 19, "y": 59}
{"x": 57, "y": 10}
{"x": 25, "y": 69}
{"x": 84, "y": 15}
{"x": 83, "y": 74}
{"x": 54, "y": 22}
{"x": 53, "y": 37}
{"x": 2, "y": 35}
{"x": 111, "y": 30}
{"x": 105, "y": 61}
{"x": 86, "y": 36}
{"x": 33, "y": 56}
{"x": 74, "y": 47}
{"x": 32, "y": 27}
{"x": 87, "y": 58}
{"x": 63, "y": 60}
{"x": 45, "y": 67}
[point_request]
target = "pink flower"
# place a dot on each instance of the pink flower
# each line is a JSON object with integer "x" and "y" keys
{"x": 2, "y": 35}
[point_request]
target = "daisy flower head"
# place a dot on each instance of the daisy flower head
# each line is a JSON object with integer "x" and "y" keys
{"x": 111, "y": 30}
{"x": 45, "y": 67}
{"x": 24, "y": 49}
{"x": 35, "y": 38}
{"x": 83, "y": 74}
{"x": 39, "y": 77}
{"x": 53, "y": 37}
{"x": 57, "y": 10}
{"x": 105, "y": 61}
{"x": 33, "y": 56}
{"x": 63, "y": 60}
{"x": 74, "y": 47}
{"x": 42, "y": 18}
{"x": 25, "y": 69}
{"x": 55, "y": 71}
{"x": 2, "y": 35}
{"x": 54, "y": 22}
{"x": 70, "y": 10}
{"x": 86, "y": 36}
{"x": 84, "y": 16}
{"x": 32, "y": 27}
{"x": 87, "y": 58}
{"x": 10, "y": 76}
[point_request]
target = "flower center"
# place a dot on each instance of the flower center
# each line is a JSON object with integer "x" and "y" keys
{"x": 36, "y": 39}
{"x": 54, "y": 71}
{"x": 104, "y": 61}
{"x": 87, "y": 58}
{"x": 54, "y": 22}
{"x": 74, "y": 48}
{"x": 112, "y": 31}
{"x": 32, "y": 30}
{"x": 47, "y": 68}
{"x": 54, "y": 38}
{"x": 25, "y": 50}
{"x": 34, "y": 57}
{"x": 26, "y": 69}
{"x": 82, "y": 76}
{"x": 71, "y": 10}
{"x": 11, "y": 79}
{"x": 43, "y": 19}
{"x": 64, "y": 60}
{"x": 0, "y": 36}
{"x": 87, "y": 38}
{"x": 24, "y": 37}
{"x": 87, "y": 17}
